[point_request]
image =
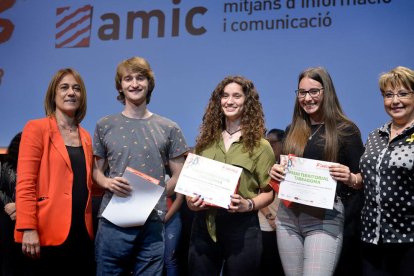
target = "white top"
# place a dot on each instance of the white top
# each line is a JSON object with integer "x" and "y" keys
{"x": 264, "y": 224}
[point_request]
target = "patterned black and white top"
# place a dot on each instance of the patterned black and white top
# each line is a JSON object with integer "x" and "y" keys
{"x": 388, "y": 174}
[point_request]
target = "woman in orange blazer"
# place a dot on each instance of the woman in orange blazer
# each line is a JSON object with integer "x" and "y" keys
{"x": 54, "y": 182}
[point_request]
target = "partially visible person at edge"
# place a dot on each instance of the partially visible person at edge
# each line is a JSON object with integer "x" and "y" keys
{"x": 173, "y": 227}
{"x": 143, "y": 141}
{"x": 310, "y": 238}
{"x": 54, "y": 183}
{"x": 232, "y": 132}
{"x": 10, "y": 252}
{"x": 270, "y": 263}
{"x": 388, "y": 172}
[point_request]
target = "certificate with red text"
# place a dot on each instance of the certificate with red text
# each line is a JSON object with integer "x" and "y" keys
{"x": 213, "y": 180}
{"x": 135, "y": 209}
{"x": 308, "y": 181}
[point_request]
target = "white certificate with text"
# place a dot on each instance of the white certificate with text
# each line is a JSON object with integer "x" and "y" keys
{"x": 134, "y": 209}
{"x": 213, "y": 180}
{"x": 308, "y": 182}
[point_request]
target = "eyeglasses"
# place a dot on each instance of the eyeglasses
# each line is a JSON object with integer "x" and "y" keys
{"x": 388, "y": 96}
{"x": 313, "y": 92}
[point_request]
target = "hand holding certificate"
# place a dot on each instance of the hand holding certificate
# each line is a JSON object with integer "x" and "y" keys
{"x": 308, "y": 182}
{"x": 134, "y": 209}
{"x": 214, "y": 181}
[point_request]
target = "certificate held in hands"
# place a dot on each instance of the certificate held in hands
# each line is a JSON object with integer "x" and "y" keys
{"x": 308, "y": 182}
{"x": 212, "y": 180}
{"x": 134, "y": 209}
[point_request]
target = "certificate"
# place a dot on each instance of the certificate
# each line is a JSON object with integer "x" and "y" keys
{"x": 213, "y": 180}
{"x": 308, "y": 182}
{"x": 134, "y": 209}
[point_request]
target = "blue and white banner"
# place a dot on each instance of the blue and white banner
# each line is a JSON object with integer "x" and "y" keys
{"x": 193, "y": 44}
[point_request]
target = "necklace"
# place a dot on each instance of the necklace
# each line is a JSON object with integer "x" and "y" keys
{"x": 398, "y": 130}
{"x": 231, "y": 133}
{"x": 310, "y": 137}
{"x": 67, "y": 128}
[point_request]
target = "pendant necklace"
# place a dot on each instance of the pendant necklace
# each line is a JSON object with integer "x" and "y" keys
{"x": 231, "y": 133}
{"x": 68, "y": 128}
{"x": 310, "y": 137}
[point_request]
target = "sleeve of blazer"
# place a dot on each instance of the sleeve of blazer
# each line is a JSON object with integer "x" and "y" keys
{"x": 30, "y": 155}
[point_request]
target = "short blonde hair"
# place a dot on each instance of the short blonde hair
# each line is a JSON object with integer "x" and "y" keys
{"x": 50, "y": 104}
{"x": 398, "y": 77}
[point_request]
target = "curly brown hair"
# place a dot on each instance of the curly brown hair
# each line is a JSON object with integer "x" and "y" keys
{"x": 252, "y": 120}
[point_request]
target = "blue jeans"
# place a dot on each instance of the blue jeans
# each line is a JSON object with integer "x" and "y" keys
{"x": 172, "y": 238}
{"x": 121, "y": 250}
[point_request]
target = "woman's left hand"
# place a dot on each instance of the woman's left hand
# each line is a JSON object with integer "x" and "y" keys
{"x": 31, "y": 244}
{"x": 341, "y": 173}
{"x": 238, "y": 204}
{"x": 10, "y": 209}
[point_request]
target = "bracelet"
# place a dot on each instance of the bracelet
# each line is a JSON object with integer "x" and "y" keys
{"x": 251, "y": 204}
{"x": 354, "y": 185}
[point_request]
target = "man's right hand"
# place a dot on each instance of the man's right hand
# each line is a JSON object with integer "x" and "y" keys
{"x": 119, "y": 186}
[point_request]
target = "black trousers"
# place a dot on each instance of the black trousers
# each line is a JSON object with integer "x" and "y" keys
{"x": 238, "y": 248}
{"x": 388, "y": 259}
{"x": 271, "y": 263}
{"x": 74, "y": 257}
{"x": 11, "y": 255}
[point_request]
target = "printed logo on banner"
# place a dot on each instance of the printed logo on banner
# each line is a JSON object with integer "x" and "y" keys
{"x": 6, "y": 26}
{"x": 73, "y": 26}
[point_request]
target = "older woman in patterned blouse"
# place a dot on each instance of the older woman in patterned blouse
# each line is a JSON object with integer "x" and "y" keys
{"x": 388, "y": 175}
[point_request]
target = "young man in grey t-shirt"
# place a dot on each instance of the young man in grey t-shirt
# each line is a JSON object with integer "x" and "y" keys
{"x": 146, "y": 142}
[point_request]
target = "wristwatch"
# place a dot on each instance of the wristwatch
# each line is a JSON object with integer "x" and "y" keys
{"x": 268, "y": 216}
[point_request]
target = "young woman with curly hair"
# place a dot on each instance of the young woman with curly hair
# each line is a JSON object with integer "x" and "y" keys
{"x": 232, "y": 132}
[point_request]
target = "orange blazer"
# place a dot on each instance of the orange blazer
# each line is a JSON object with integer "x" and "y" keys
{"x": 44, "y": 182}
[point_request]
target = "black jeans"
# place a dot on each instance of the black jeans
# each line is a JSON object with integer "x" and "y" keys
{"x": 238, "y": 248}
{"x": 271, "y": 263}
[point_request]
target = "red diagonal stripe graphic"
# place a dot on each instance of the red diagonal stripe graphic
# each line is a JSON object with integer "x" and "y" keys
{"x": 73, "y": 37}
{"x": 72, "y": 25}
{"x": 60, "y": 10}
{"x": 70, "y": 16}
{"x": 83, "y": 43}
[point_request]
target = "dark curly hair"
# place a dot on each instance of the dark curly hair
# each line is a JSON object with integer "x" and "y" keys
{"x": 252, "y": 119}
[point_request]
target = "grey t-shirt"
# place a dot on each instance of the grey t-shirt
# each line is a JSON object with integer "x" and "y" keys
{"x": 142, "y": 144}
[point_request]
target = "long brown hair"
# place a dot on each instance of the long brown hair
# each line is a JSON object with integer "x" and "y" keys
{"x": 252, "y": 119}
{"x": 334, "y": 118}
